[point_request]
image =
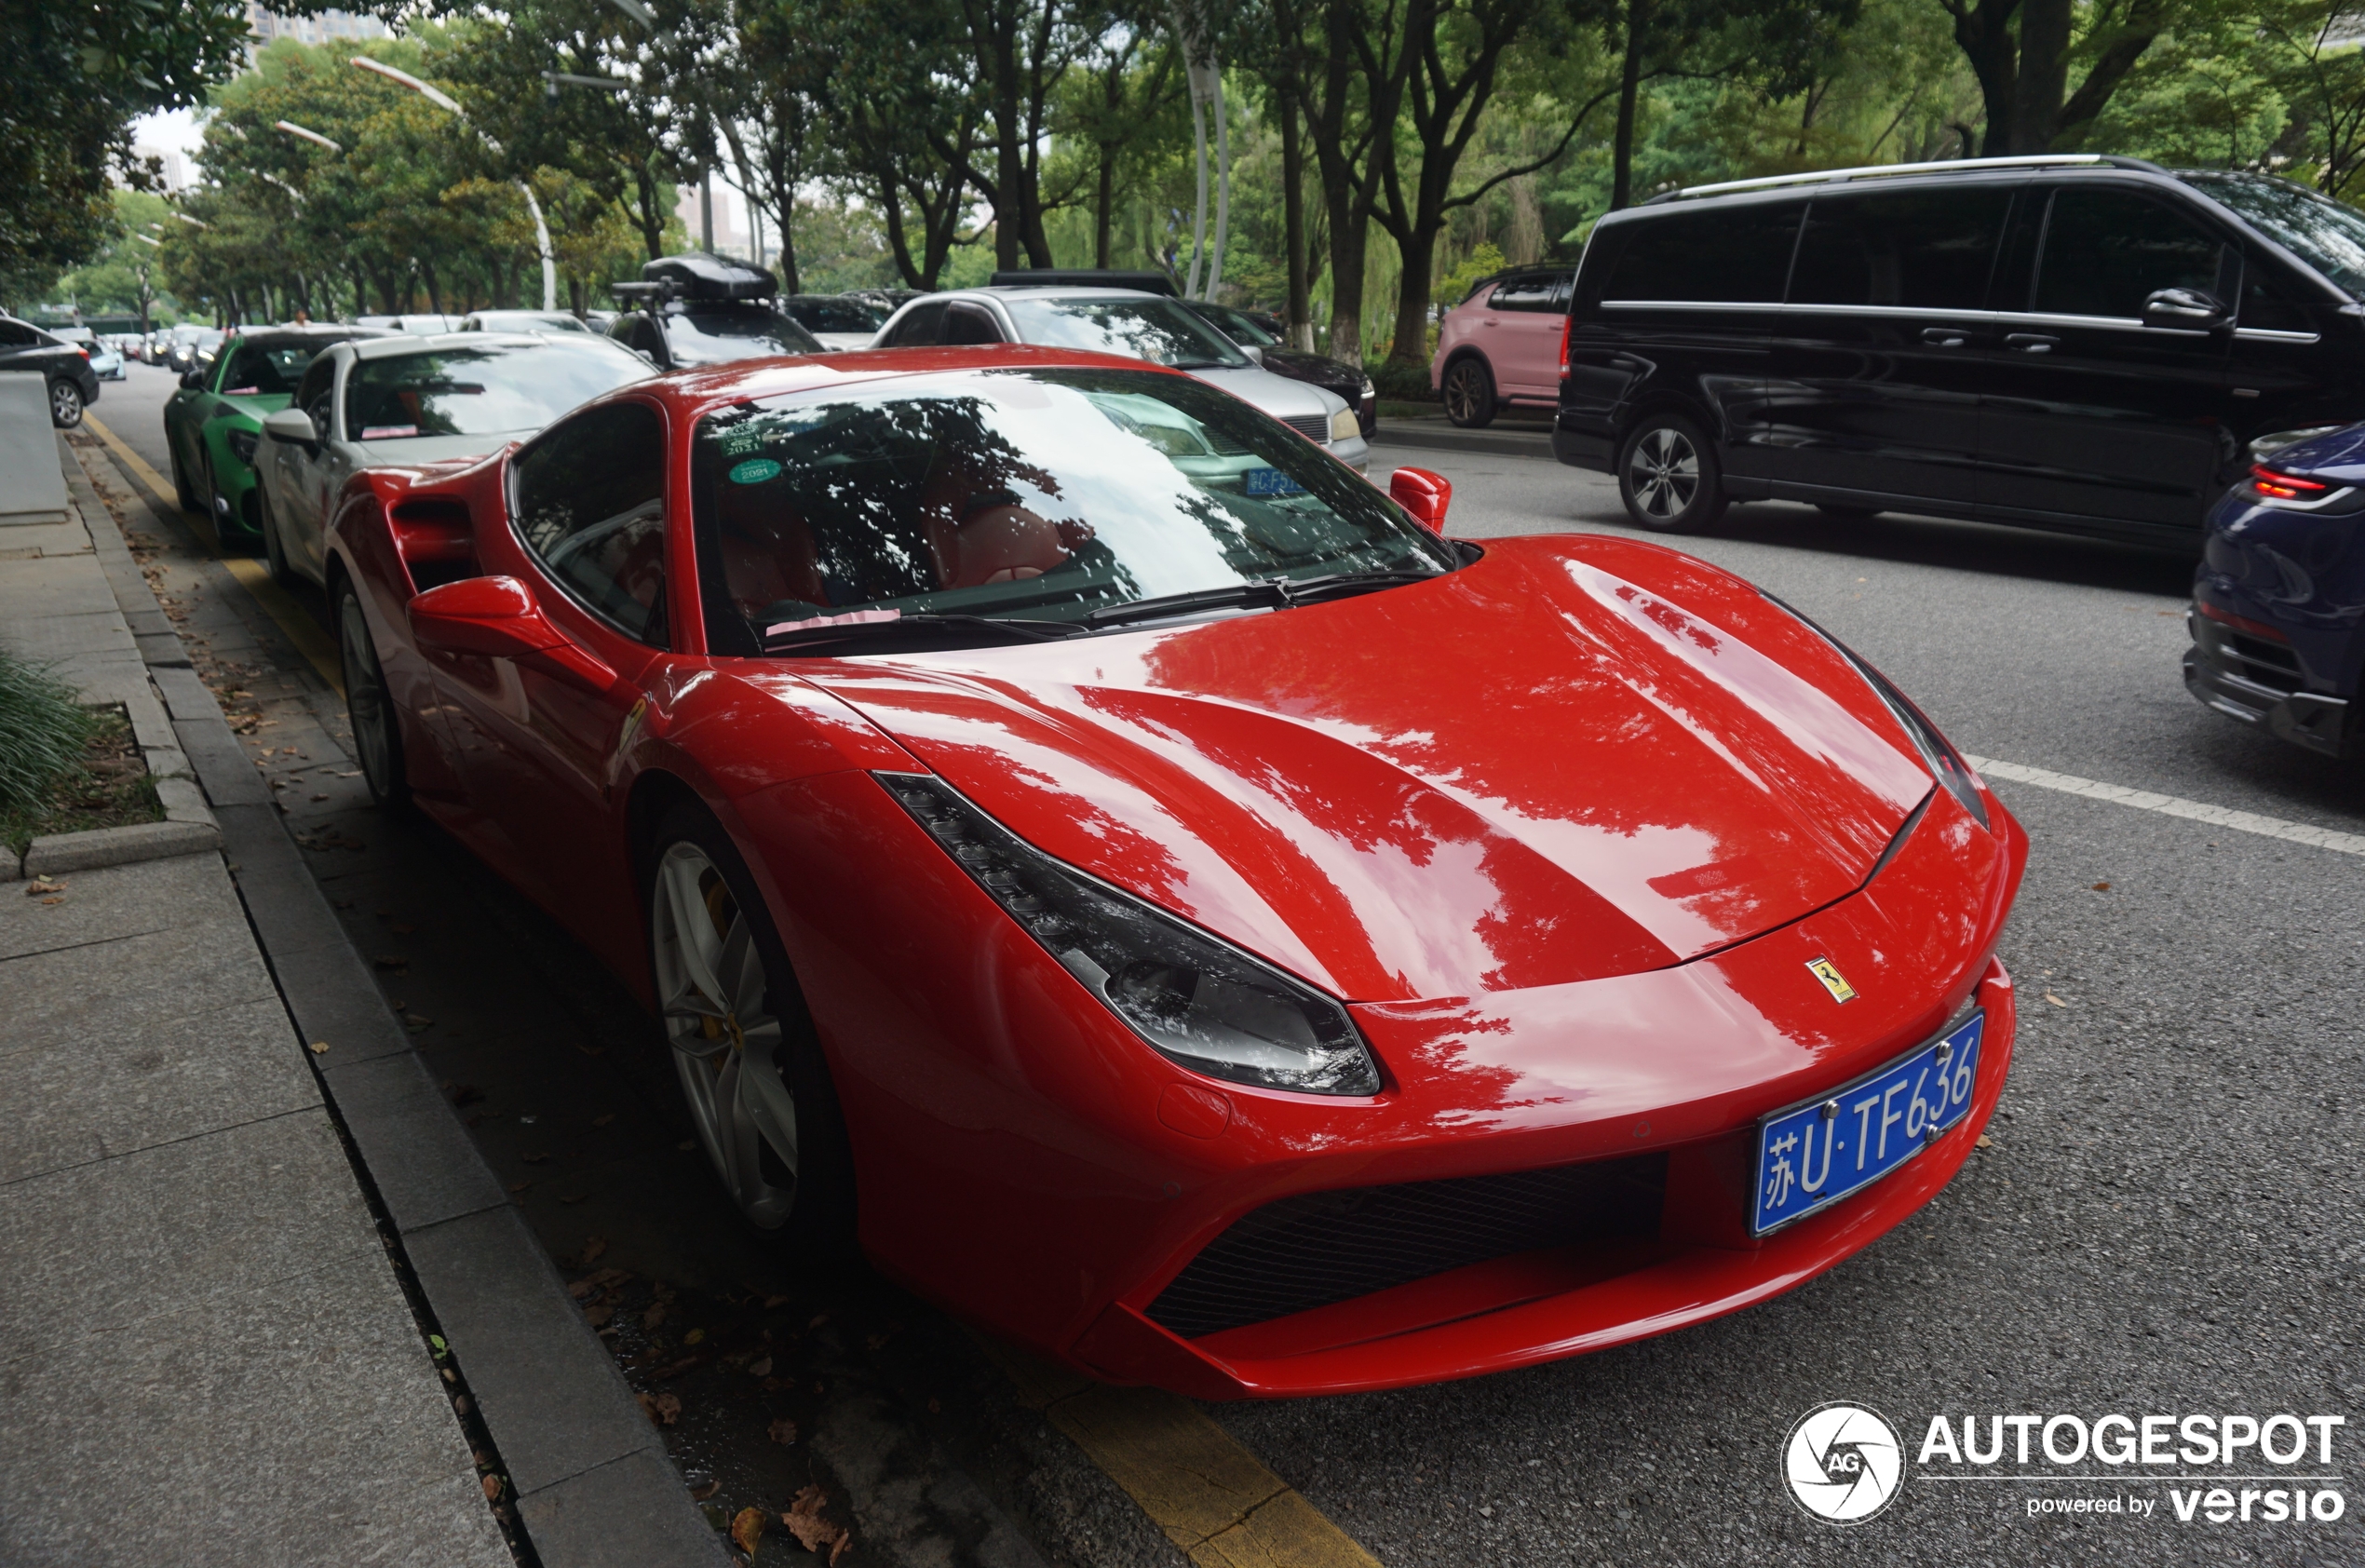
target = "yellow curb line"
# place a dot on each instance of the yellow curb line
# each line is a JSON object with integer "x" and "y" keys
{"x": 251, "y": 574}
{"x": 1212, "y": 1496}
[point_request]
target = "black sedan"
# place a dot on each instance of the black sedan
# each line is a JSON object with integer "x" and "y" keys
{"x": 1264, "y": 334}
{"x": 65, "y": 367}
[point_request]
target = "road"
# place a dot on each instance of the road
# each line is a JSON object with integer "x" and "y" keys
{"x": 2164, "y": 1221}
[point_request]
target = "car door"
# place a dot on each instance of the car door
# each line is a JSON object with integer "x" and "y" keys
{"x": 1875, "y": 386}
{"x": 1519, "y": 331}
{"x": 2097, "y": 415}
{"x": 311, "y": 475}
{"x": 535, "y": 740}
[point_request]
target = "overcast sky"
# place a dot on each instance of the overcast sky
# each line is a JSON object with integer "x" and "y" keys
{"x": 176, "y": 129}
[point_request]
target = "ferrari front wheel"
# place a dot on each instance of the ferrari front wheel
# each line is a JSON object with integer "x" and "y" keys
{"x": 753, "y": 1074}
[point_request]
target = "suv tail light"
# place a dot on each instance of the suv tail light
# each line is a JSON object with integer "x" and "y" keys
{"x": 1566, "y": 322}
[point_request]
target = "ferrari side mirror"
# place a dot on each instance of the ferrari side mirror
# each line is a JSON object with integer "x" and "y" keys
{"x": 496, "y": 617}
{"x": 1422, "y": 493}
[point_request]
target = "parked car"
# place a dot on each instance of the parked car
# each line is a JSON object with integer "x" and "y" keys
{"x": 1262, "y": 337}
{"x": 836, "y": 321}
{"x": 64, "y": 367}
{"x": 1048, "y": 867}
{"x": 191, "y": 342}
{"x": 2279, "y": 638}
{"x": 105, "y": 362}
{"x": 522, "y": 322}
{"x": 2089, "y": 343}
{"x": 702, "y": 309}
{"x": 418, "y": 324}
{"x": 1137, "y": 325}
{"x": 412, "y": 400}
{"x": 1501, "y": 346}
{"x": 214, "y": 425}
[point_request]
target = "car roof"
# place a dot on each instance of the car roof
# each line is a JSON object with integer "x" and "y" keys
{"x": 1054, "y": 292}
{"x": 695, "y": 391}
{"x": 398, "y": 343}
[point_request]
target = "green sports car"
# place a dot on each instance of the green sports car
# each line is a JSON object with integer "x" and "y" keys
{"x": 212, "y": 424}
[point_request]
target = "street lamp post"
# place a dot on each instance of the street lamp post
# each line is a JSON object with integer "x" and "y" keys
{"x": 442, "y": 101}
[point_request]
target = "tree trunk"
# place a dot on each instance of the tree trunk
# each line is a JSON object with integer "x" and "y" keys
{"x": 1300, "y": 311}
{"x": 1629, "y": 83}
{"x": 2044, "y": 73}
{"x": 574, "y": 297}
{"x": 434, "y": 289}
{"x": 1104, "y": 200}
{"x": 1983, "y": 32}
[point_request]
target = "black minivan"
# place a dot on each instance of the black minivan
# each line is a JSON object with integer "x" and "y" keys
{"x": 2087, "y": 344}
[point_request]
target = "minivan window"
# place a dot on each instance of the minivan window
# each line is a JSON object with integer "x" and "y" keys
{"x": 2319, "y": 231}
{"x": 1922, "y": 250}
{"x": 2108, "y": 251}
{"x": 1738, "y": 254}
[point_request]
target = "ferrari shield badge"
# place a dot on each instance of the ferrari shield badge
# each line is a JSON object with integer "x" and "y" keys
{"x": 1833, "y": 981}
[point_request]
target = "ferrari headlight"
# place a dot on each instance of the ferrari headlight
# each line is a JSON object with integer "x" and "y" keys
{"x": 242, "y": 443}
{"x": 1198, "y": 1000}
{"x": 1938, "y": 755}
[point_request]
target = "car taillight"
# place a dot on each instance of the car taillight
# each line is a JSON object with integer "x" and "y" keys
{"x": 2280, "y": 486}
{"x": 1566, "y": 322}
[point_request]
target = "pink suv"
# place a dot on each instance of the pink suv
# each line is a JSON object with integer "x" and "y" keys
{"x": 1501, "y": 345}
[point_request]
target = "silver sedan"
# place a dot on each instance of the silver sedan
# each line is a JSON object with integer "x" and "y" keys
{"x": 408, "y": 400}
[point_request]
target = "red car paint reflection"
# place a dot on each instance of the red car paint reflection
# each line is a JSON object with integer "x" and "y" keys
{"x": 1560, "y": 828}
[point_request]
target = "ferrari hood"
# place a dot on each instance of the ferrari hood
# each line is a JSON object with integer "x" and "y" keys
{"x": 1528, "y": 772}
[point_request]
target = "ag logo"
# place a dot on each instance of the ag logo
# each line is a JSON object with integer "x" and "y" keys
{"x": 1843, "y": 1463}
{"x": 1833, "y": 981}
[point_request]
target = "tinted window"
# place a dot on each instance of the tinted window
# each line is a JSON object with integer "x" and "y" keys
{"x": 15, "y": 335}
{"x": 2319, "y": 231}
{"x": 1531, "y": 292}
{"x": 968, "y": 325}
{"x": 1922, "y": 250}
{"x": 1040, "y": 494}
{"x": 1158, "y": 330}
{"x": 703, "y": 337}
{"x": 591, "y": 503}
{"x": 1731, "y": 253}
{"x": 2271, "y": 302}
{"x": 1237, "y": 325}
{"x": 822, "y": 313}
{"x": 921, "y": 328}
{"x": 2107, "y": 250}
{"x": 480, "y": 391}
{"x": 267, "y": 369}
{"x": 312, "y": 392}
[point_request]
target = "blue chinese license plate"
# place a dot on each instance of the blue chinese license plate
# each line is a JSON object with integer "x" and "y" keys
{"x": 1269, "y": 481}
{"x": 1813, "y": 1156}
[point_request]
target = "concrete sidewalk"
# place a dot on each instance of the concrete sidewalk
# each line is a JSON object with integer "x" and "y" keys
{"x": 206, "y": 1354}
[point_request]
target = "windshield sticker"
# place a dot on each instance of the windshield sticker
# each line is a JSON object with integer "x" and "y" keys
{"x": 755, "y": 470}
{"x": 387, "y": 432}
{"x": 244, "y": 392}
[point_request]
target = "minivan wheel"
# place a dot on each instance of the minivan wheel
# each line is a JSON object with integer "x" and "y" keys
{"x": 1669, "y": 477}
{"x": 1469, "y": 394}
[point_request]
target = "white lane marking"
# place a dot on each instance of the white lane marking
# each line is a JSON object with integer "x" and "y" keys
{"x": 2170, "y": 805}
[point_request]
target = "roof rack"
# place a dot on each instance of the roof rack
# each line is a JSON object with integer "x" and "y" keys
{"x": 1882, "y": 170}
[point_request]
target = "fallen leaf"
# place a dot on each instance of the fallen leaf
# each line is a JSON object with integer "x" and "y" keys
{"x": 703, "y": 1490}
{"x": 519, "y": 1186}
{"x": 319, "y": 797}
{"x": 771, "y": 1302}
{"x": 592, "y": 1247}
{"x": 598, "y": 1316}
{"x": 662, "y": 1408}
{"x": 584, "y": 1289}
{"x": 804, "y": 1521}
{"x": 655, "y": 1315}
{"x": 2055, "y": 1000}
{"x": 573, "y": 1197}
{"x": 319, "y": 1047}
{"x": 53, "y": 900}
{"x": 783, "y": 1430}
{"x": 2102, "y": 887}
{"x": 844, "y": 1542}
{"x": 760, "y": 1369}
{"x": 693, "y": 1336}
{"x": 492, "y": 1489}
{"x": 747, "y": 1529}
{"x": 1985, "y": 1141}
{"x": 41, "y": 884}
{"x": 603, "y": 1121}
{"x": 935, "y": 1408}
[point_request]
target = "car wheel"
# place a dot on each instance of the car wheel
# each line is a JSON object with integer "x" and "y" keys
{"x": 753, "y": 1074}
{"x": 377, "y": 731}
{"x": 1668, "y": 478}
{"x": 180, "y": 480}
{"x": 208, "y": 491}
{"x": 65, "y": 404}
{"x": 1469, "y": 394}
{"x": 1848, "y": 514}
{"x": 275, "y": 554}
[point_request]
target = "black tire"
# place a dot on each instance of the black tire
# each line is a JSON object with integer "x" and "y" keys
{"x": 65, "y": 404}
{"x": 180, "y": 482}
{"x": 822, "y": 1213}
{"x": 1848, "y": 514}
{"x": 1668, "y": 476}
{"x": 377, "y": 730}
{"x": 275, "y": 554}
{"x": 1469, "y": 391}
{"x": 208, "y": 492}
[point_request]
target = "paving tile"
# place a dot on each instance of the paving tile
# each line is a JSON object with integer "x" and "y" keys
{"x": 130, "y": 983}
{"x": 425, "y": 1167}
{"x": 102, "y": 1248}
{"x": 626, "y": 1514}
{"x": 187, "y": 892}
{"x": 297, "y": 1421}
{"x": 546, "y": 1384}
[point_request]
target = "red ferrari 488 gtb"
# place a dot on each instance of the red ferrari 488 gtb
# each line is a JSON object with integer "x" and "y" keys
{"x": 1169, "y": 902}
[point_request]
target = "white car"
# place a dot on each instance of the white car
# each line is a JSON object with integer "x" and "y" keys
{"x": 522, "y": 322}
{"x": 372, "y": 401}
{"x": 1137, "y": 325}
{"x": 106, "y": 361}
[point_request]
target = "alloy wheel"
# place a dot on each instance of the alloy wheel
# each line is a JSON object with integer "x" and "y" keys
{"x": 1469, "y": 395}
{"x": 275, "y": 553}
{"x": 1664, "y": 472}
{"x": 65, "y": 404}
{"x": 713, "y": 996}
{"x": 367, "y": 704}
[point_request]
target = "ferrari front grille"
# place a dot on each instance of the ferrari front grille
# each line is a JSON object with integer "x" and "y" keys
{"x": 1318, "y": 1249}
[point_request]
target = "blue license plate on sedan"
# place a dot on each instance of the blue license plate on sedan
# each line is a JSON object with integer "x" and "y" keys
{"x": 1812, "y": 1155}
{"x": 1269, "y": 481}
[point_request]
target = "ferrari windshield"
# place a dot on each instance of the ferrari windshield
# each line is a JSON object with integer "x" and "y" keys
{"x": 485, "y": 391}
{"x": 1033, "y": 495}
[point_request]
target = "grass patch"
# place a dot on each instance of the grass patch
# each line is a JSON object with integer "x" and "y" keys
{"x": 65, "y": 767}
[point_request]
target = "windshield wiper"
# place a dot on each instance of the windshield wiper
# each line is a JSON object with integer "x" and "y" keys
{"x": 927, "y": 629}
{"x": 1275, "y": 593}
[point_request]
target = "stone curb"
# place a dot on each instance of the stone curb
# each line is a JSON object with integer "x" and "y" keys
{"x": 54, "y": 853}
{"x": 1447, "y": 438}
{"x": 593, "y": 1483}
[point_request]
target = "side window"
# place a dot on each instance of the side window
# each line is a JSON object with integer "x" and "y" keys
{"x": 2107, "y": 250}
{"x": 1738, "y": 253}
{"x": 14, "y": 335}
{"x": 2270, "y": 301}
{"x": 968, "y": 325}
{"x": 590, "y": 506}
{"x": 923, "y": 327}
{"x": 312, "y": 392}
{"x": 1532, "y": 291}
{"x": 1921, "y": 250}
